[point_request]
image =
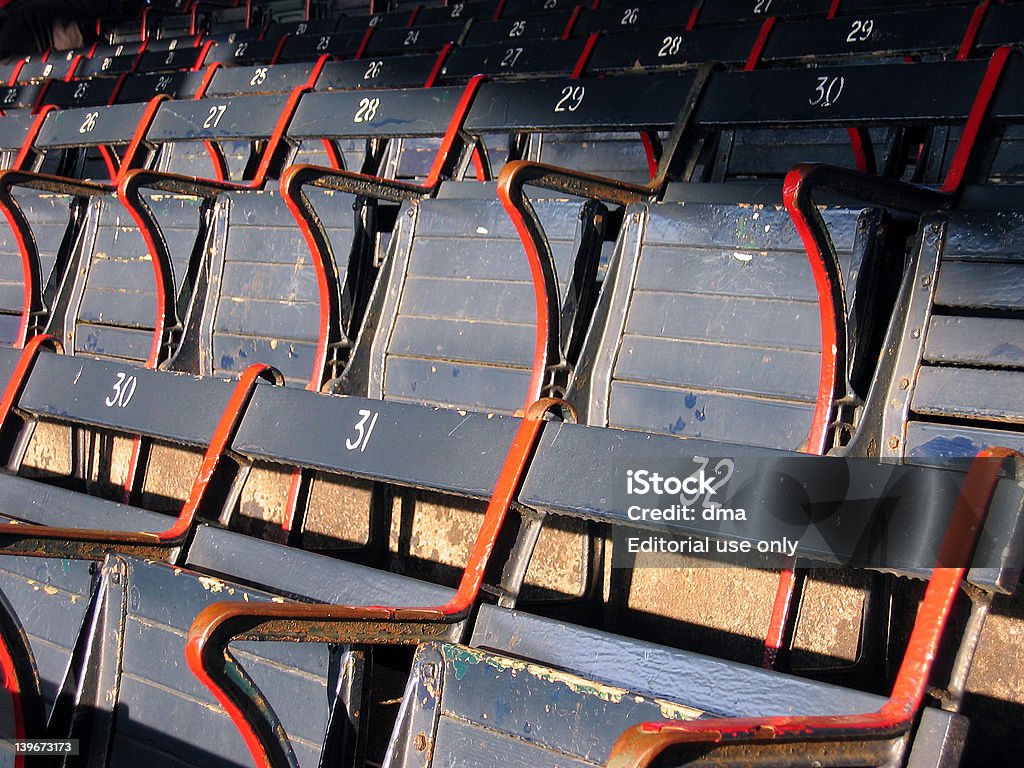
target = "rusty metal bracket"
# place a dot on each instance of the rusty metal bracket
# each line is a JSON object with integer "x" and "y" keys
{"x": 799, "y": 189}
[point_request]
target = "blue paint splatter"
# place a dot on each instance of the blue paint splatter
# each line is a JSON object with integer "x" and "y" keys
{"x": 1009, "y": 352}
{"x": 700, "y": 414}
{"x": 690, "y": 401}
{"x": 957, "y": 446}
{"x": 678, "y": 427}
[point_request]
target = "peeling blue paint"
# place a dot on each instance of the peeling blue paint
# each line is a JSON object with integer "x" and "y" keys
{"x": 948, "y": 447}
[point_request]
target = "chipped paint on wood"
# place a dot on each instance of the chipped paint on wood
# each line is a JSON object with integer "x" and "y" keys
{"x": 462, "y": 657}
{"x": 211, "y": 585}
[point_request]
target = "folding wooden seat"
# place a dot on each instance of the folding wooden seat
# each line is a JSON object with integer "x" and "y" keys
{"x": 311, "y": 45}
{"x": 621, "y": 16}
{"x": 260, "y": 79}
{"x": 368, "y": 154}
{"x": 265, "y": 299}
{"x": 515, "y": 28}
{"x": 263, "y": 296}
{"x": 747, "y": 148}
{"x": 653, "y": 49}
{"x": 530, "y": 57}
{"x": 235, "y": 36}
{"x": 634, "y": 110}
{"x": 882, "y": 35}
{"x": 739, "y": 11}
{"x": 54, "y": 596}
{"x": 25, "y": 291}
{"x": 998, "y": 27}
{"x": 591, "y": 126}
{"x": 322, "y": 26}
{"x": 245, "y": 47}
{"x": 22, "y": 97}
{"x": 142, "y": 696}
{"x": 174, "y": 26}
{"x": 713, "y": 332}
{"x": 124, "y": 33}
{"x": 549, "y": 692}
{"x": 221, "y": 20}
{"x": 416, "y": 39}
{"x": 33, "y": 71}
{"x": 48, "y": 213}
{"x": 357, "y": 154}
{"x": 153, "y": 61}
{"x": 451, "y": 317}
{"x": 447, "y": 217}
{"x": 103, "y": 291}
{"x": 530, "y": 669}
{"x": 953, "y": 389}
{"x": 143, "y": 87}
{"x": 478, "y": 10}
{"x": 392, "y": 17}
{"x": 165, "y": 44}
{"x": 853, "y": 7}
{"x": 506, "y": 689}
{"x": 110, "y": 60}
{"x": 90, "y": 92}
{"x": 408, "y": 71}
{"x": 318, "y": 690}
{"x": 287, "y": 10}
{"x": 680, "y": 336}
{"x": 1000, "y": 137}
{"x": 500, "y": 692}
{"x": 536, "y": 7}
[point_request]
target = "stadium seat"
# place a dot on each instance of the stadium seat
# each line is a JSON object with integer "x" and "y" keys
{"x": 331, "y": 329}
